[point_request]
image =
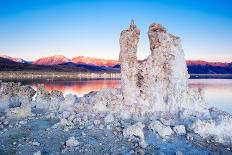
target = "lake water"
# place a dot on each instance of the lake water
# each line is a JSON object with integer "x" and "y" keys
{"x": 218, "y": 92}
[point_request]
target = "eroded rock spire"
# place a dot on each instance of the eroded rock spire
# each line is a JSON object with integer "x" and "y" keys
{"x": 159, "y": 81}
{"x": 128, "y": 59}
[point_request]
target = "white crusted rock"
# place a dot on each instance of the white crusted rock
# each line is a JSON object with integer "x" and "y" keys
{"x": 179, "y": 129}
{"x": 135, "y": 130}
{"x": 16, "y": 99}
{"x": 42, "y": 98}
{"x": 219, "y": 128}
{"x": 129, "y": 66}
{"x": 72, "y": 142}
{"x": 109, "y": 118}
{"x": 162, "y": 130}
{"x": 35, "y": 143}
{"x": 37, "y": 153}
{"x": 68, "y": 103}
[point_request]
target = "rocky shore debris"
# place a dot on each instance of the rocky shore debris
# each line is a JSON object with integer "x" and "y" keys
{"x": 15, "y": 99}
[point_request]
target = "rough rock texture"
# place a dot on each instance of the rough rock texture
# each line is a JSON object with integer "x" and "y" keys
{"x": 129, "y": 67}
{"x": 71, "y": 142}
{"x": 15, "y": 99}
{"x": 135, "y": 130}
{"x": 179, "y": 129}
{"x": 49, "y": 101}
{"x": 157, "y": 89}
{"x": 160, "y": 82}
{"x": 162, "y": 130}
{"x": 218, "y": 128}
{"x": 157, "y": 85}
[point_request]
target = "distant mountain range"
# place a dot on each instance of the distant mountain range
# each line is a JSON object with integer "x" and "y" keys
{"x": 54, "y": 63}
{"x": 87, "y": 64}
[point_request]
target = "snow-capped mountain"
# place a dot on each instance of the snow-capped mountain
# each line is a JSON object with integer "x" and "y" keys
{"x": 13, "y": 58}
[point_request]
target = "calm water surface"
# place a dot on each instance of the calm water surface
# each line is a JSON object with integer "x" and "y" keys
{"x": 218, "y": 92}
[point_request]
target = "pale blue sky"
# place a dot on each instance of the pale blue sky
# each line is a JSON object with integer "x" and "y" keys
{"x": 35, "y": 28}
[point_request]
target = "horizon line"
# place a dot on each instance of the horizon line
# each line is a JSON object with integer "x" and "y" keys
{"x": 212, "y": 60}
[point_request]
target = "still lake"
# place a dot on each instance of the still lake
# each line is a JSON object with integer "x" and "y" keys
{"x": 218, "y": 92}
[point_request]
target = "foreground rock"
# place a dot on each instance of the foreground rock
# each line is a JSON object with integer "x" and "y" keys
{"x": 15, "y": 99}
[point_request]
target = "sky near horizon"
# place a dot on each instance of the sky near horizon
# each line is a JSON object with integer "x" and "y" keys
{"x": 31, "y": 29}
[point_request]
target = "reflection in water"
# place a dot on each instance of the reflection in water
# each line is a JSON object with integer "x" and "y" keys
{"x": 218, "y": 92}
{"x": 80, "y": 87}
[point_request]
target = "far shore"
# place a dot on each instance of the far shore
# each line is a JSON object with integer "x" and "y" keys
{"x": 39, "y": 75}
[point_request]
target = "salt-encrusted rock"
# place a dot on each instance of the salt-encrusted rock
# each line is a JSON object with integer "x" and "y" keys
{"x": 35, "y": 143}
{"x": 101, "y": 126}
{"x": 162, "y": 130}
{"x": 135, "y": 130}
{"x": 16, "y": 99}
{"x": 42, "y": 97}
{"x": 189, "y": 137}
{"x": 19, "y": 111}
{"x": 48, "y": 101}
{"x": 160, "y": 82}
{"x": 179, "y": 153}
{"x": 129, "y": 66}
{"x": 220, "y": 128}
{"x": 56, "y": 99}
{"x": 66, "y": 114}
{"x": 72, "y": 142}
{"x": 109, "y": 118}
{"x": 37, "y": 153}
{"x": 96, "y": 122}
{"x": 15, "y": 94}
{"x": 179, "y": 129}
{"x": 68, "y": 103}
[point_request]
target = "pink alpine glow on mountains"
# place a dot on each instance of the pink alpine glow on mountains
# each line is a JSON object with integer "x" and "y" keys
{"x": 60, "y": 59}
{"x": 94, "y": 61}
{"x": 12, "y": 58}
{"x": 52, "y": 60}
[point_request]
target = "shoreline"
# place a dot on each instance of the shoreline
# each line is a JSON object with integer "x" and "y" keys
{"x": 30, "y": 75}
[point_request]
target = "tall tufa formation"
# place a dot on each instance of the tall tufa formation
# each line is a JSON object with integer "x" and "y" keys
{"x": 160, "y": 82}
{"x": 129, "y": 66}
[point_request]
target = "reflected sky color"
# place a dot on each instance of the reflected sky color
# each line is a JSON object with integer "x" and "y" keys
{"x": 35, "y": 28}
{"x": 78, "y": 87}
{"x": 217, "y": 92}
